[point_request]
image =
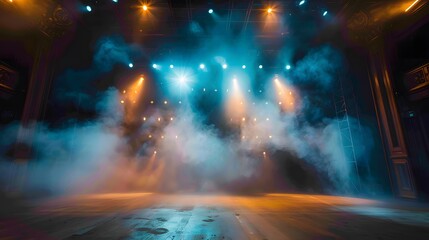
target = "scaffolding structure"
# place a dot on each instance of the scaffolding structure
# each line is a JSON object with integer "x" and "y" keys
{"x": 346, "y": 111}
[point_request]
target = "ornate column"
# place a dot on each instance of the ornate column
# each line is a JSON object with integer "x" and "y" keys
{"x": 367, "y": 31}
{"x": 53, "y": 24}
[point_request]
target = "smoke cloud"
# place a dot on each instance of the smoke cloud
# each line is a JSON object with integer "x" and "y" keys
{"x": 190, "y": 146}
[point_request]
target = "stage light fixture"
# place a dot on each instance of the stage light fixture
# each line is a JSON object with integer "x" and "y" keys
{"x": 182, "y": 80}
{"x": 302, "y": 2}
{"x": 131, "y": 65}
{"x": 288, "y": 67}
{"x": 224, "y": 66}
{"x": 145, "y": 8}
{"x": 260, "y": 66}
{"x": 156, "y": 66}
{"x": 202, "y": 66}
{"x": 210, "y": 11}
{"x": 88, "y": 8}
{"x": 243, "y": 67}
{"x": 269, "y": 10}
{"x": 115, "y": 1}
{"x": 325, "y": 13}
{"x": 171, "y": 66}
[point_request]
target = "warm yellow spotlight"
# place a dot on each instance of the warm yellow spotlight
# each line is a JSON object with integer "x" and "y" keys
{"x": 122, "y": 101}
{"x": 144, "y": 118}
{"x": 171, "y": 119}
{"x": 165, "y": 102}
{"x": 269, "y": 10}
{"x": 412, "y": 5}
{"x": 145, "y": 7}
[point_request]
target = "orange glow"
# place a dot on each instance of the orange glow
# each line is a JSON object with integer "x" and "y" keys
{"x": 145, "y": 8}
{"x": 412, "y": 5}
{"x": 269, "y": 10}
{"x": 236, "y": 104}
{"x": 284, "y": 96}
{"x": 131, "y": 96}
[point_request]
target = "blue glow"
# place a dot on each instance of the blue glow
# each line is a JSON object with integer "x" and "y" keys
{"x": 171, "y": 66}
{"x": 202, "y": 66}
{"x": 88, "y": 8}
{"x": 302, "y": 2}
{"x": 260, "y": 66}
{"x": 224, "y": 66}
{"x": 155, "y": 66}
{"x": 130, "y": 65}
{"x": 210, "y": 11}
{"x": 288, "y": 67}
{"x": 325, "y": 13}
{"x": 115, "y": 1}
{"x": 243, "y": 67}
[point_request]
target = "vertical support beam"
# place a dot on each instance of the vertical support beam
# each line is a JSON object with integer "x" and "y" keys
{"x": 35, "y": 100}
{"x": 390, "y": 124}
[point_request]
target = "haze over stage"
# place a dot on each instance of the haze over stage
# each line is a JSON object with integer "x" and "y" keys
{"x": 268, "y": 216}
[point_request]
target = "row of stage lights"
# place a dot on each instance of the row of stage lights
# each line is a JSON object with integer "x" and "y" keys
{"x": 202, "y": 66}
{"x": 269, "y": 10}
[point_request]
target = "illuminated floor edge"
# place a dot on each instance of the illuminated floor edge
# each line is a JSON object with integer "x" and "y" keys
{"x": 270, "y": 216}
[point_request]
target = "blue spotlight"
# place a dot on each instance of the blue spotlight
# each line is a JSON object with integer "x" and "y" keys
{"x": 260, "y": 66}
{"x": 302, "y": 2}
{"x": 131, "y": 65}
{"x": 88, "y": 8}
{"x": 171, "y": 66}
{"x": 288, "y": 67}
{"x": 224, "y": 66}
{"x": 243, "y": 67}
{"x": 115, "y": 1}
{"x": 210, "y": 11}
{"x": 325, "y": 13}
{"x": 202, "y": 66}
{"x": 155, "y": 66}
{"x": 182, "y": 80}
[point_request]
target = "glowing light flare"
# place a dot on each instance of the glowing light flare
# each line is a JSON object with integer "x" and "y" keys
{"x": 88, "y": 8}
{"x": 285, "y": 101}
{"x": 325, "y": 13}
{"x": 130, "y": 65}
{"x": 269, "y": 10}
{"x": 236, "y": 104}
{"x": 412, "y": 5}
{"x": 224, "y": 66}
{"x": 302, "y": 2}
{"x": 202, "y": 66}
{"x": 145, "y": 7}
{"x": 131, "y": 96}
{"x": 210, "y": 11}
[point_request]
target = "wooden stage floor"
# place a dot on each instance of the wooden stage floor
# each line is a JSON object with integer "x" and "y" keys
{"x": 158, "y": 216}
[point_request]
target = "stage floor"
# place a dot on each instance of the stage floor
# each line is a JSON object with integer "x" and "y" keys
{"x": 270, "y": 216}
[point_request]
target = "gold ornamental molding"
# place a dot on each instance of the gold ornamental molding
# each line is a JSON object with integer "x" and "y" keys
{"x": 417, "y": 82}
{"x": 50, "y": 17}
